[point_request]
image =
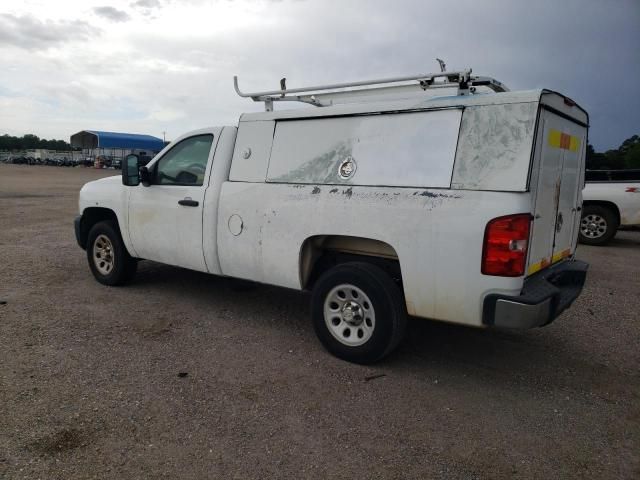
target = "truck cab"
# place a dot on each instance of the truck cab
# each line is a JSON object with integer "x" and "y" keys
{"x": 384, "y": 203}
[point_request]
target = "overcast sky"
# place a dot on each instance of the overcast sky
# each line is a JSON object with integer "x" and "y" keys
{"x": 149, "y": 66}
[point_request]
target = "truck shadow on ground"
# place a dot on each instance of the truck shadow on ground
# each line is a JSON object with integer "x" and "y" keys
{"x": 623, "y": 241}
{"x": 546, "y": 356}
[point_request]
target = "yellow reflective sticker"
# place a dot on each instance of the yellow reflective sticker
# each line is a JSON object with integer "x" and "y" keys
{"x": 574, "y": 144}
{"x": 558, "y": 139}
{"x": 560, "y": 255}
{"x": 554, "y": 138}
{"x": 534, "y": 268}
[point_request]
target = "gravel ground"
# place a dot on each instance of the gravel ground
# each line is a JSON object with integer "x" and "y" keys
{"x": 185, "y": 375}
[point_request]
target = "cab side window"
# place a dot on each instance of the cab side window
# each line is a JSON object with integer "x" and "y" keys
{"x": 185, "y": 163}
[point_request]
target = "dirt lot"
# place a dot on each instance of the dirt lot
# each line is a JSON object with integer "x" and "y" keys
{"x": 184, "y": 375}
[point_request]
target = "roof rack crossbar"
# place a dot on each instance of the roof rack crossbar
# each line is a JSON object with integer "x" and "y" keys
{"x": 315, "y": 94}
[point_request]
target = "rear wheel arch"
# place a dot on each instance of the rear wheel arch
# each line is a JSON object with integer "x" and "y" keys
{"x": 358, "y": 312}
{"x": 320, "y": 253}
{"x": 603, "y": 203}
{"x": 599, "y": 222}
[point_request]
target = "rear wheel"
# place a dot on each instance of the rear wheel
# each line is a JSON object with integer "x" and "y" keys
{"x": 598, "y": 225}
{"x": 358, "y": 312}
{"x": 108, "y": 258}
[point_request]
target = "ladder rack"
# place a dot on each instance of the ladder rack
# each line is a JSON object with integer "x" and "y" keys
{"x": 326, "y": 95}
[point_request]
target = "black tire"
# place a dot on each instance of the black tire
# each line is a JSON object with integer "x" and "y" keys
{"x": 123, "y": 265}
{"x": 386, "y": 300}
{"x": 598, "y": 225}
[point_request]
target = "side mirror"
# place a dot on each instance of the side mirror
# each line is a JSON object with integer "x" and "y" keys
{"x": 130, "y": 172}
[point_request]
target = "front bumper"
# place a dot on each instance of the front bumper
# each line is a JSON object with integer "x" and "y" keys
{"x": 544, "y": 296}
{"x": 76, "y": 226}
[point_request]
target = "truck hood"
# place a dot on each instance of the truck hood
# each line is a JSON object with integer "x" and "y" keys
{"x": 105, "y": 192}
{"x": 105, "y": 181}
{"x": 101, "y": 184}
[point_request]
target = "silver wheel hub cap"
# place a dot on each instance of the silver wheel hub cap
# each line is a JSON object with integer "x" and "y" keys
{"x": 103, "y": 254}
{"x": 593, "y": 226}
{"x": 349, "y": 315}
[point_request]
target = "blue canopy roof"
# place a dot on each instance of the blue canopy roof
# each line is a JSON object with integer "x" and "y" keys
{"x": 98, "y": 139}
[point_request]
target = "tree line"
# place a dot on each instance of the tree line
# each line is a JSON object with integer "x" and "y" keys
{"x": 625, "y": 156}
{"x": 29, "y": 142}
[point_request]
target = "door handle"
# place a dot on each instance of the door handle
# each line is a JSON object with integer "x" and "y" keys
{"x": 187, "y": 202}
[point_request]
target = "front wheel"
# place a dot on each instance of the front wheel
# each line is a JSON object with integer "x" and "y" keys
{"x": 598, "y": 225}
{"x": 108, "y": 258}
{"x": 358, "y": 312}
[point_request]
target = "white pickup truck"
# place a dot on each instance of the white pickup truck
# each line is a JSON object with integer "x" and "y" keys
{"x": 611, "y": 201}
{"x": 386, "y": 199}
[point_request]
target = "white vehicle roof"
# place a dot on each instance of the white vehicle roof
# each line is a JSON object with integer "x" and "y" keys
{"x": 416, "y": 103}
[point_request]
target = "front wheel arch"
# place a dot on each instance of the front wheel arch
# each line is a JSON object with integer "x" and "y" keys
{"x": 90, "y": 217}
{"x": 105, "y": 247}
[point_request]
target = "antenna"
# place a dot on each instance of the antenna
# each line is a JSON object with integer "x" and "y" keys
{"x": 443, "y": 66}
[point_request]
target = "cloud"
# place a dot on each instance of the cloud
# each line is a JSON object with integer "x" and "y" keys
{"x": 172, "y": 68}
{"x": 112, "y": 14}
{"x": 30, "y": 33}
{"x": 147, "y": 8}
{"x": 146, "y": 4}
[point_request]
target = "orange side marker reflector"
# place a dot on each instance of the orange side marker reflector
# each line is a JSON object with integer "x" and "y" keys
{"x": 563, "y": 140}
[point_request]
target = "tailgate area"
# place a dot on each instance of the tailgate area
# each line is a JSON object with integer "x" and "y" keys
{"x": 556, "y": 185}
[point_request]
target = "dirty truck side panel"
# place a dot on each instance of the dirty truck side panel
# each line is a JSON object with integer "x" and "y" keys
{"x": 404, "y": 149}
{"x": 494, "y": 148}
{"x": 436, "y": 233}
{"x": 399, "y": 193}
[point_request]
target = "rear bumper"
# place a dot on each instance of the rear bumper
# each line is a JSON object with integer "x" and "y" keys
{"x": 544, "y": 296}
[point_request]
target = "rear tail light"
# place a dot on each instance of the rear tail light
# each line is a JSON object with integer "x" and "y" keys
{"x": 504, "y": 252}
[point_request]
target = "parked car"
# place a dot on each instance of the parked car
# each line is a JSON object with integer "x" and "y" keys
{"x": 611, "y": 201}
{"x": 460, "y": 208}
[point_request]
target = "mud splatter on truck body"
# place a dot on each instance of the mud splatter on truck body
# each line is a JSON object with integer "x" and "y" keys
{"x": 462, "y": 205}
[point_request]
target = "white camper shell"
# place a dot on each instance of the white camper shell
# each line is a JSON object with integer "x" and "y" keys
{"x": 384, "y": 202}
